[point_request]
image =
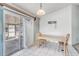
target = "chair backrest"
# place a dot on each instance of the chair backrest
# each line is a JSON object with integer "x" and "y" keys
{"x": 67, "y": 37}
{"x": 39, "y": 34}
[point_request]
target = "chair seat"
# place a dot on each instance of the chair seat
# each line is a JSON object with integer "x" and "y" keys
{"x": 62, "y": 43}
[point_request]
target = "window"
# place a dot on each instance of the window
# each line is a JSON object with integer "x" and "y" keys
{"x": 11, "y": 30}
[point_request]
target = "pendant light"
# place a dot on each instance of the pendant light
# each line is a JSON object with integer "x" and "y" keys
{"x": 40, "y": 12}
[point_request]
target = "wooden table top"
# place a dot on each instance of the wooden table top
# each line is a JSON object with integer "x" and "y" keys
{"x": 52, "y": 38}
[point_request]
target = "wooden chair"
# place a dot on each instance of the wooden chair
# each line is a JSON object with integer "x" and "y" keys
{"x": 61, "y": 44}
{"x": 41, "y": 41}
{"x": 40, "y": 34}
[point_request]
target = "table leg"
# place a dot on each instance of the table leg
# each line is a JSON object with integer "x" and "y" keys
{"x": 64, "y": 49}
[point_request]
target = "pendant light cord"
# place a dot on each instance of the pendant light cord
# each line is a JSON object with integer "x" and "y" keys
{"x": 40, "y": 5}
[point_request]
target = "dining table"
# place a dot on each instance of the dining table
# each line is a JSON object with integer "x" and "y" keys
{"x": 55, "y": 37}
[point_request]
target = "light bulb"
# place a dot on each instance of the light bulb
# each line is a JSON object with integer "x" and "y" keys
{"x": 40, "y": 12}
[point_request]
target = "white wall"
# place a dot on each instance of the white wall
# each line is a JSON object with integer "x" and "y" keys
{"x": 63, "y": 18}
{"x": 75, "y": 26}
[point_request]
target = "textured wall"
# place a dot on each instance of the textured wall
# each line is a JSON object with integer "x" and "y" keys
{"x": 75, "y": 24}
{"x": 63, "y": 18}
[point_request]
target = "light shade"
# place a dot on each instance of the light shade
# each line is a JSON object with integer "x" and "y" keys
{"x": 40, "y": 12}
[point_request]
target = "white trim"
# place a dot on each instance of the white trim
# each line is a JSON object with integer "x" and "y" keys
{"x": 24, "y": 41}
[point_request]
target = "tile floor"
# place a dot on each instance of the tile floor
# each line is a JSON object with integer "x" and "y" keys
{"x": 76, "y": 46}
{"x": 51, "y": 49}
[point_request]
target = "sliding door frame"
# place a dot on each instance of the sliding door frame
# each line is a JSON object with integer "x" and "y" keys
{"x": 4, "y": 33}
{"x": 4, "y": 38}
{"x": 21, "y": 18}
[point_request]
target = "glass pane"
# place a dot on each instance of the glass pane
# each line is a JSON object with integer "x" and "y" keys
{"x": 11, "y": 30}
{"x": 11, "y": 34}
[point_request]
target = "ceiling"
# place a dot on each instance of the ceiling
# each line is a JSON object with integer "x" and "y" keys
{"x": 48, "y": 7}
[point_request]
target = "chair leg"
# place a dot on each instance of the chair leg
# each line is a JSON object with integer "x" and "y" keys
{"x": 67, "y": 50}
{"x": 58, "y": 47}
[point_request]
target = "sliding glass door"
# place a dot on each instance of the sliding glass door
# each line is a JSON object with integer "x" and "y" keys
{"x": 13, "y": 32}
